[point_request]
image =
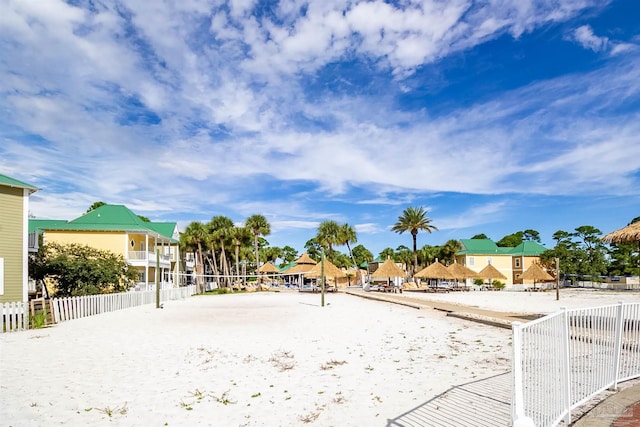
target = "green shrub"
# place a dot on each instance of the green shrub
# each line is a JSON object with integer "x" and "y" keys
{"x": 498, "y": 285}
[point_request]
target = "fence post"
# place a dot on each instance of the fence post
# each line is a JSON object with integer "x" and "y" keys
{"x": 566, "y": 393}
{"x": 618, "y": 345}
{"x": 517, "y": 399}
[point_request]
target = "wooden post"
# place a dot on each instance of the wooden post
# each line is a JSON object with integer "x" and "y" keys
{"x": 322, "y": 277}
{"x": 557, "y": 278}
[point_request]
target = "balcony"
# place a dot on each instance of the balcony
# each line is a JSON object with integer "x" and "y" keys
{"x": 142, "y": 258}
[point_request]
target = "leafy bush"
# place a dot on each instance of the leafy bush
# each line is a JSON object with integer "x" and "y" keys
{"x": 498, "y": 285}
{"x": 80, "y": 270}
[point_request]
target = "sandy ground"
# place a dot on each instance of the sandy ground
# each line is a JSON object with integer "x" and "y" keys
{"x": 264, "y": 359}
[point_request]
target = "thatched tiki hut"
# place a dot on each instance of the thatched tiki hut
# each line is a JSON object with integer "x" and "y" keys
{"x": 536, "y": 273}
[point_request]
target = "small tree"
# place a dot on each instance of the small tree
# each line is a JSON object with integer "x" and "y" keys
{"x": 81, "y": 270}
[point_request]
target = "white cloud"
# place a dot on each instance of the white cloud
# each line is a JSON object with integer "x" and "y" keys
{"x": 585, "y": 36}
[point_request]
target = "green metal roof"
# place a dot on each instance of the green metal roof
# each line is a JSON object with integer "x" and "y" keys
{"x": 109, "y": 218}
{"x": 480, "y": 247}
{"x": 528, "y": 249}
{"x": 12, "y": 182}
{"x": 488, "y": 247}
{"x": 166, "y": 229}
{"x": 286, "y": 267}
{"x": 44, "y": 224}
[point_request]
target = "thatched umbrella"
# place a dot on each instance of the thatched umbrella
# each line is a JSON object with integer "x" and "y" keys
{"x": 434, "y": 271}
{"x": 460, "y": 272}
{"x": 267, "y": 268}
{"x": 536, "y": 273}
{"x": 388, "y": 269}
{"x": 489, "y": 273}
{"x": 330, "y": 270}
{"x": 628, "y": 234}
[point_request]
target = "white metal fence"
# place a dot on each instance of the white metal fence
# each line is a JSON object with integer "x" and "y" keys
{"x": 77, "y": 307}
{"x": 14, "y": 316}
{"x": 562, "y": 360}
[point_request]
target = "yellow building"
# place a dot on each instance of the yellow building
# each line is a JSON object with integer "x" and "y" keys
{"x": 14, "y": 266}
{"x": 511, "y": 262}
{"x": 116, "y": 229}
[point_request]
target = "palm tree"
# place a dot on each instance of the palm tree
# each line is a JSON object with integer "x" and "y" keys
{"x": 329, "y": 235}
{"x": 220, "y": 228}
{"x": 346, "y": 236}
{"x": 241, "y": 236}
{"x": 195, "y": 235}
{"x": 448, "y": 251}
{"x": 259, "y": 226}
{"x": 414, "y": 220}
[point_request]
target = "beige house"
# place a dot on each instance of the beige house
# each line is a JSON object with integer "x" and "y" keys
{"x": 147, "y": 246}
{"x": 511, "y": 262}
{"x": 14, "y": 239}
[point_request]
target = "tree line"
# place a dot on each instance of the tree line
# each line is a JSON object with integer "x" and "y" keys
{"x": 232, "y": 250}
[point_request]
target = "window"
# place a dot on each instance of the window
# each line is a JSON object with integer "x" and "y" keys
{"x": 489, "y": 261}
{"x": 471, "y": 261}
{"x": 141, "y": 276}
{"x": 517, "y": 262}
{"x": 1, "y": 276}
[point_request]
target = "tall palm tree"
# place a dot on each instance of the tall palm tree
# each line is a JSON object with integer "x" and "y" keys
{"x": 241, "y": 236}
{"x": 414, "y": 220}
{"x": 195, "y": 235}
{"x": 259, "y": 226}
{"x": 220, "y": 228}
{"x": 329, "y": 235}
{"x": 348, "y": 235}
{"x": 448, "y": 251}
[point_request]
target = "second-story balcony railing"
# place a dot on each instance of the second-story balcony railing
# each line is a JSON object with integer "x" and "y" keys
{"x": 147, "y": 256}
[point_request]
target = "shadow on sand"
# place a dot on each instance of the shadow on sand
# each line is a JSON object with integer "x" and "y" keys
{"x": 485, "y": 402}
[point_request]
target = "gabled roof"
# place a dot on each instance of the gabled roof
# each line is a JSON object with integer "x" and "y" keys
{"x": 167, "y": 229}
{"x": 109, "y": 218}
{"x": 12, "y": 182}
{"x": 528, "y": 248}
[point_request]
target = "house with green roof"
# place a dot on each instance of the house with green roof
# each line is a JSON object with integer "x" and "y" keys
{"x": 117, "y": 229}
{"x": 14, "y": 239}
{"x": 511, "y": 262}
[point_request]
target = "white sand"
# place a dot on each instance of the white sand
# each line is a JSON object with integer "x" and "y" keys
{"x": 263, "y": 359}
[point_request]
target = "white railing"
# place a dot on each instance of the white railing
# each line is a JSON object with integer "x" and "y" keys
{"x": 77, "y": 307}
{"x": 14, "y": 316}
{"x": 562, "y": 360}
{"x": 147, "y": 256}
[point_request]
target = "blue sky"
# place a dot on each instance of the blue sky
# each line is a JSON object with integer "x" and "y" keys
{"x": 495, "y": 116}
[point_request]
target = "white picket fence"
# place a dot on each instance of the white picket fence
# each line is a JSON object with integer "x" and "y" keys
{"x": 564, "y": 359}
{"x": 14, "y": 316}
{"x": 78, "y": 307}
